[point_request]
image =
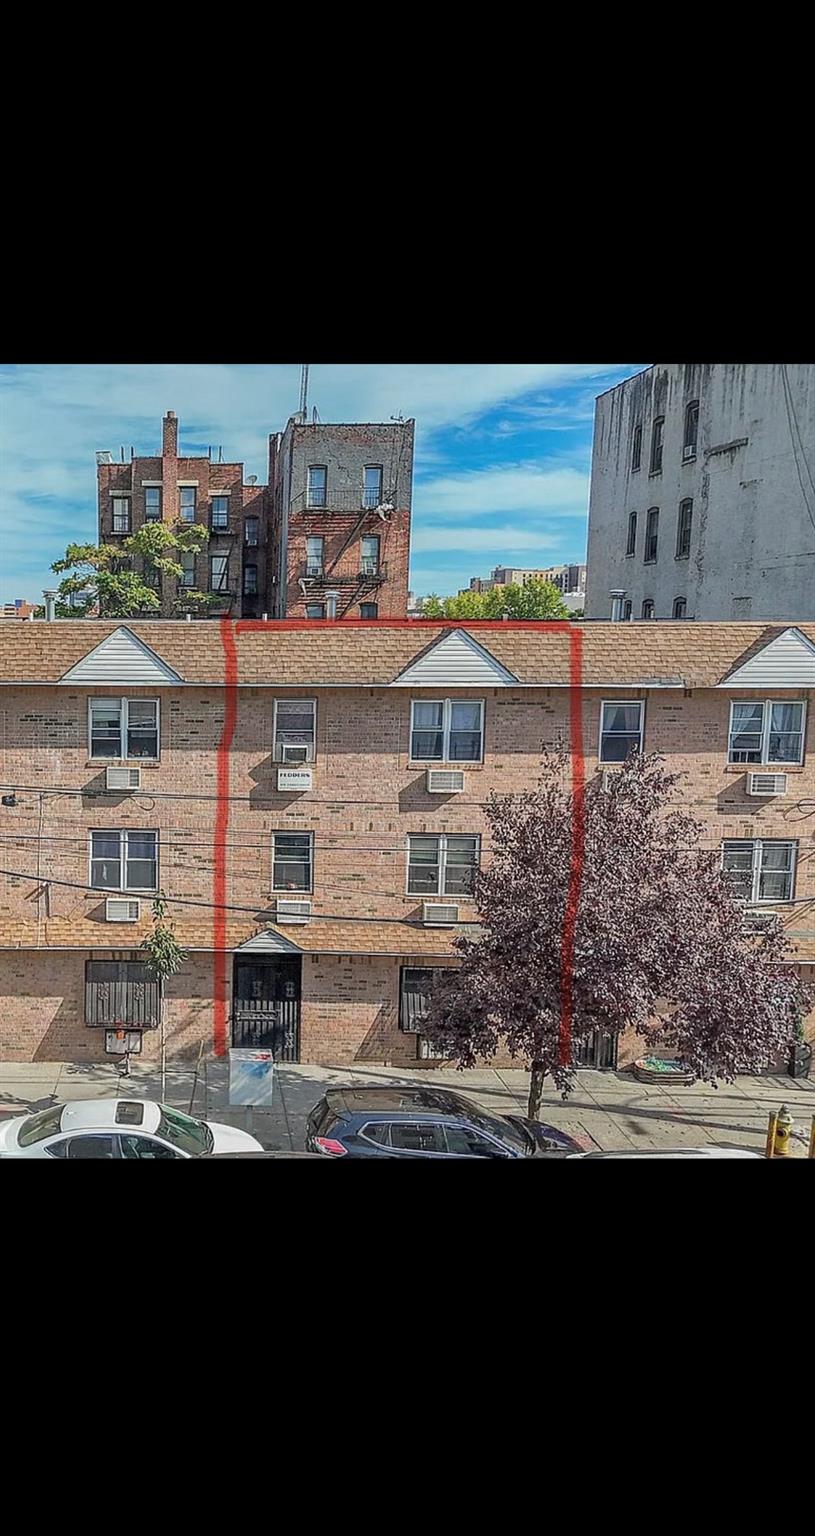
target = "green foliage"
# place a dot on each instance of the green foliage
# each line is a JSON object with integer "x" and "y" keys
{"x": 113, "y": 576}
{"x": 163, "y": 954}
{"x": 532, "y": 600}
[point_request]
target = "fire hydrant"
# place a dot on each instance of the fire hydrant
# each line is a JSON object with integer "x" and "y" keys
{"x": 783, "y": 1132}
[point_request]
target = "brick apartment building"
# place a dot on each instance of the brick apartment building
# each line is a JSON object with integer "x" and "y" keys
{"x": 310, "y": 797}
{"x": 329, "y": 536}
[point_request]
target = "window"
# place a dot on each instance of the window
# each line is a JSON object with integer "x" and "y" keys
{"x": 442, "y": 866}
{"x": 416, "y": 984}
{"x": 636, "y": 448}
{"x": 121, "y": 514}
{"x": 315, "y": 554}
{"x": 291, "y": 861}
{"x": 124, "y": 861}
{"x": 767, "y": 731}
{"x": 680, "y": 608}
{"x": 184, "y": 1131}
{"x": 251, "y": 527}
{"x": 466, "y": 1142}
{"x": 760, "y": 871}
{"x": 657, "y": 434}
{"x": 90, "y": 1147}
{"x": 151, "y": 576}
{"x": 220, "y": 512}
{"x": 152, "y": 504}
{"x": 648, "y": 608}
{"x": 186, "y": 503}
{"x": 368, "y": 610}
{"x": 627, "y": 607}
{"x": 632, "y": 534}
{"x": 372, "y": 485}
{"x": 369, "y": 554}
{"x": 691, "y": 430}
{"x": 315, "y": 610}
{"x": 145, "y": 1146}
{"x": 40, "y": 1126}
{"x": 683, "y": 528}
{"x": 651, "y": 535}
{"x": 218, "y": 573}
{"x": 294, "y": 726}
{"x": 123, "y": 728}
{"x": 620, "y": 730}
{"x": 187, "y": 568}
{"x": 250, "y": 580}
{"x": 407, "y": 1136}
{"x": 317, "y": 484}
{"x": 120, "y": 992}
{"x": 379, "y": 1132}
{"x": 447, "y": 730}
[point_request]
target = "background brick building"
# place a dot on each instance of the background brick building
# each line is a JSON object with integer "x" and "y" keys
{"x": 282, "y": 797}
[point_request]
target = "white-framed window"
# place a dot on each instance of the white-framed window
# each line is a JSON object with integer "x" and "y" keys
{"x": 292, "y": 861}
{"x": 251, "y": 528}
{"x": 760, "y": 870}
{"x": 369, "y": 554}
{"x": 295, "y": 725}
{"x": 372, "y": 485}
{"x": 187, "y": 496}
{"x": 220, "y": 512}
{"x": 315, "y": 554}
{"x": 447, "y": 730}
{"x": 621, "y": 722}
{"x": 691, "y": 432}
{"x": 766, "y": 731}
{"x": 124, "y": 861}
{"x": 317, "y": 485}
{"x": 121, "y": 514}
{"x": 152, "y": 504}
{"x": 442, "y": 866}
{"x": 123, "y": 728}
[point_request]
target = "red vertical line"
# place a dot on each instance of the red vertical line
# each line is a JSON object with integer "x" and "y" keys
{"x": 219, "y": 853}
{"x": 578, "y": 841}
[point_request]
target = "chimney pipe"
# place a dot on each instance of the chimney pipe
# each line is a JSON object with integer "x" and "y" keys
{"x": 169, "y": 436}
{"x": 617, "y": 596}
{"x": 331, "y": 605}
{"x": 50, "y": 598}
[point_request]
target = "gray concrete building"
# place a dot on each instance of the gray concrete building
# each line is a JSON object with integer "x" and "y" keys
{"x": 702, "y": 500}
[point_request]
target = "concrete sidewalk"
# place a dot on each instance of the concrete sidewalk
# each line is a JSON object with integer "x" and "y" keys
{"x": 610, "y": 1110}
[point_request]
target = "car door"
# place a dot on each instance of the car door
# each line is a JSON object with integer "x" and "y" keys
{"x": 91, "y": 1146}
{"x": 417, "y": 1138}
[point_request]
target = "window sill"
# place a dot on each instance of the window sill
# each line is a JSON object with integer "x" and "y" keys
{"x": 650, "y": 562}
{"x": 764, "y": 768}
{"x": 691, "y": 459}
{"x": 445, "y": 767}
{"x": 654, "y": 474}
{"x": 123, "y": 762}
{"x": 682, "y": 557}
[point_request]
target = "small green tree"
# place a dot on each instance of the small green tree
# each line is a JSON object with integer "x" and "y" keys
{"x": 115, "y": 581}
{"x": 530, "y": 600}
{"x": 163, "y": 957}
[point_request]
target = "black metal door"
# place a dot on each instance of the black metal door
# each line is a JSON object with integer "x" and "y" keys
{"x": 266, "y": 1005}
{"x": 598, "y": 1050}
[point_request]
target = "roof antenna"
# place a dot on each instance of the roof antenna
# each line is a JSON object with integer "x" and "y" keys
{"x": 303, "y": 391}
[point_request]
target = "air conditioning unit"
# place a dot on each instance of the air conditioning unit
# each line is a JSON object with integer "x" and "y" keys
{"x": 445, "y": 781}
{"x": 756, "y": 921}
{"x": 767, "y": 784}
{"x": 293, "y": 911}
{"x": 689, "y": 451}
{"x": 121, "y": 909}
{"x": 427, "y": 1051}
{"x": 439, "y": 914}
{"x": 314, "y": 571}
{"x": 123, "y": 778}
{"x": 609, "y": 774}
{"x": 292, "y": 754}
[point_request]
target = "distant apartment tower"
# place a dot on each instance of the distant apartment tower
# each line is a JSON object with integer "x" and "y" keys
{"x": 18, "y": 609}
{"x": 703, "y": 494}
{"x": 340, "y": 522}
{"x": 192, "y": 488}
{"x": 570, "y": 580}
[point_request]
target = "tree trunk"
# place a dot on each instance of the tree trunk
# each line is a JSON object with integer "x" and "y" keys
{"x": 536, "y": 1081}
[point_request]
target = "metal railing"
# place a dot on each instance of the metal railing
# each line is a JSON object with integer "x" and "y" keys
{"x": 337, "y": 501}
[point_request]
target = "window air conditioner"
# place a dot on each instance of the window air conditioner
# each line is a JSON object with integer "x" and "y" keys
{"x": 293, "y": 911}
{"x": 291, "y": 754}
{"x": 756, "y": 921}
{"x": 689, "y": 451}
{"x": 609, "y": 774}
{"x": 123, "y": 778}
{"x": 445, "y": 781}
{"x": 439, "y": 914}
{"x": 767, "y": 784}
{"x": 427, "y": 1051}
{"x": 120, "y": 909}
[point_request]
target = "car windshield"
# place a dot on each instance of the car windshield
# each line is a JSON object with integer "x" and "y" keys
{"x": 37, "y": 1127}
{"x": 180, "y": 1130}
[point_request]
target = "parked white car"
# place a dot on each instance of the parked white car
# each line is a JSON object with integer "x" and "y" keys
{"x": 114, "y": 1128}
{"x": 674, "y": 1152}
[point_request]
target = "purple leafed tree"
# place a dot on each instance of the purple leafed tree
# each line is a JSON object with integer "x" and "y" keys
{"x": 660, "y": 945}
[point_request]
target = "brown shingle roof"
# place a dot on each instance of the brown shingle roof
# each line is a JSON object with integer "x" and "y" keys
{"x": 321, "y": 936}
{"x": 296, "y": 654}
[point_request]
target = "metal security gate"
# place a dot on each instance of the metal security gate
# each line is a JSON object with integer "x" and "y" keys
{"x": 119, "y": 992}
{"x": 266, "y": 1005}
{"x": 598, "y": 1050}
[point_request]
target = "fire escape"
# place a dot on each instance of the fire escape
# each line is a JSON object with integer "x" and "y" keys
{"x": 354, "y": 586}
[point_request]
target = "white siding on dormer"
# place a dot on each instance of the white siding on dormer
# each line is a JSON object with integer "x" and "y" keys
{"x": 787, "y": 662}
{"x": 269, "y": 943}
{"x": 455, "y": 661}
{"x": 121, "y": 659}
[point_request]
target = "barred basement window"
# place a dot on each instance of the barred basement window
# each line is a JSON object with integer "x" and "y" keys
{"x": 120, "y": 992}
{"x": 414, "y": 992}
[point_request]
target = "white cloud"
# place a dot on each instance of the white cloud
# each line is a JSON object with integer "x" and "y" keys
{"x": 561, "y": 492}
{"x": 459, "y": 540}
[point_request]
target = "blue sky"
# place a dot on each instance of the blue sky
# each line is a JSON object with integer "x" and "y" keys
{"x": 502, "y": 450}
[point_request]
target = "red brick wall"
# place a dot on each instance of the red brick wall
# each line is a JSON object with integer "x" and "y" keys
{"x": 394, "y": 552}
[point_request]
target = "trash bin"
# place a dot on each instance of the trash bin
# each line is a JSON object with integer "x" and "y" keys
{"x": 251, "y": 1078}
{"x": 800, "y": 1059}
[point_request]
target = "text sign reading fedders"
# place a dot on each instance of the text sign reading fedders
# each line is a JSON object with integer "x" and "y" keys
{"x": 294, "y": 778}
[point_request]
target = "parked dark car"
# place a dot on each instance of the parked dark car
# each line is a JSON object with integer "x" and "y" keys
{"x": 313, "y": 1157}
{"x": 390, "y": 1121}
